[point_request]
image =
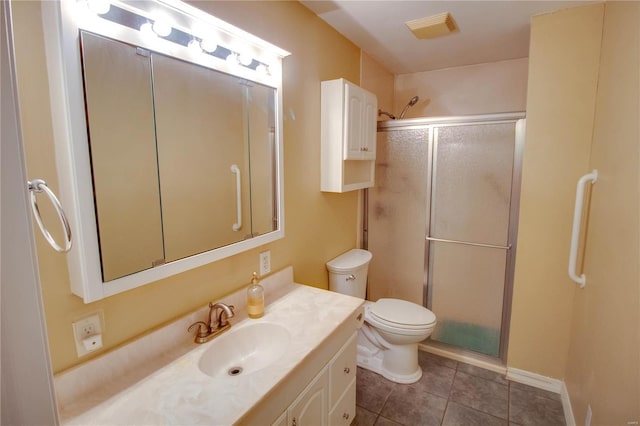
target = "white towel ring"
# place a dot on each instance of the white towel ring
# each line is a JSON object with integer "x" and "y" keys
{"x": 39, "y": 185}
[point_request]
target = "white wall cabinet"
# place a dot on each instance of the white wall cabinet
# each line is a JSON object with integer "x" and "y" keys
{"x": 330, "y": 398}
{"x": 348, "y": 135}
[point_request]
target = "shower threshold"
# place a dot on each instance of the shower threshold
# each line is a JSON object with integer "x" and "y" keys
{"x": 462, "y": 355}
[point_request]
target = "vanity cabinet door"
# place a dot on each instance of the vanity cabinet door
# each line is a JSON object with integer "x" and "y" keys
{"x": 345, "y": 409}
{"x": 311, "y": 407}
{"x": 343, "y": 369}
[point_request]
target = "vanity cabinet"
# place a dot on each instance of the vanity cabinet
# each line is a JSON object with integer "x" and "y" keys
{"x": 311, "y": 407}
{"x": 330, "y": 398}
{"x": 348, "y": 136}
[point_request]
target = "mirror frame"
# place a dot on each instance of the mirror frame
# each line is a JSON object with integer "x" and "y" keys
{"x": 61, "y": 24}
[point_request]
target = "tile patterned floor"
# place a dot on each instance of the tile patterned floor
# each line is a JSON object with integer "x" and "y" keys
{"x": 452, "y": 393}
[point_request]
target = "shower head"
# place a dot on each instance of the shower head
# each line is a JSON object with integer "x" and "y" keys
{"x": 411, "y": 103}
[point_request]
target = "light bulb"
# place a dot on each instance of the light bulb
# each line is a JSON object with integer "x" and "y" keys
{"x": 99, "y": 7}
{"x": 194, "y": 46}
{"x": 208, "y": 45}
{"x": 232, "y": 58}
{"x": 147, "y": 30}
{"x": 162, "y": 28}
{"x": 263, "y": 69}
{"x": 245, "y": 59}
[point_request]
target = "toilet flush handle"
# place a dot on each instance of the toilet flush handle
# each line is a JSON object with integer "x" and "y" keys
{"x": 351, "y": 277}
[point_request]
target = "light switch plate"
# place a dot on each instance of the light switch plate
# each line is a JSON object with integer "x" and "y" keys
{"x": 265, "y": 262}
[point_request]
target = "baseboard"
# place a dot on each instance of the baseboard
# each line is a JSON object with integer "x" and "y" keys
{"x": 535, "y": 380}
{"x": 546, "y": 383}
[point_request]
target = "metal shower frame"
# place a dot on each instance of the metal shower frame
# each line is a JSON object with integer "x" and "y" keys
{"x": 432, "y": 123}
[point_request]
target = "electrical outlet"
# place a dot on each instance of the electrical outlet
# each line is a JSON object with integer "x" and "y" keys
{"x": 88, "y": 328}
{"x": 587, "y": 421}
{"x": 265, "y": 262}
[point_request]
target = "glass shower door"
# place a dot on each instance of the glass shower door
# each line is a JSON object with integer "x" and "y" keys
{"x": 397, "y": 216}
{"x": 468, "y": 245}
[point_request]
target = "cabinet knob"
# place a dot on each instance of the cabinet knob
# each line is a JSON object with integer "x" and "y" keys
{"x": 345, "y": 416}
{"x": 347, "y": 370}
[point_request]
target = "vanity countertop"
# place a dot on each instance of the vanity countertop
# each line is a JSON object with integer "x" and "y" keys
{"x": 179, "y": 393}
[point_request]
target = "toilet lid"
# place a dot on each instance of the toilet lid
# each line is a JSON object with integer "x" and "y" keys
{"x": 402, "y": 312}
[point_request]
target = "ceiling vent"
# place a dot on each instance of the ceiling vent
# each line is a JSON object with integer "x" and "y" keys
{"x": 432, "y": 26}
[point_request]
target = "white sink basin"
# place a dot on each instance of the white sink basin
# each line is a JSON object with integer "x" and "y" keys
{"x": 244, "y": 350}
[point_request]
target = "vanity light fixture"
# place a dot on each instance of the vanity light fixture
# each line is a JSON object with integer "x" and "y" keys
{"x": 197, "y": 38}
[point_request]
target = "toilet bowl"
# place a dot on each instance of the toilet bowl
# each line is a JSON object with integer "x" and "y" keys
{"x": 388, "y": 340}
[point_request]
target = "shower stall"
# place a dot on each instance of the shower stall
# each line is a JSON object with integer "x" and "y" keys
{"x": 441, "y": 222}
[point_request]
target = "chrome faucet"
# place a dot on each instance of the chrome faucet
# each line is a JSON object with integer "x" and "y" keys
{"x": 218, "y": 322}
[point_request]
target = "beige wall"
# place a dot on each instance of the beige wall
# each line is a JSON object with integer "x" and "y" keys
{"x": 563, "y": 70}
{"x": 378, "y": 80}
{"x": 603, "y": 368}
{"x": 475, "y": 89}
{"x": 318, "y": 225}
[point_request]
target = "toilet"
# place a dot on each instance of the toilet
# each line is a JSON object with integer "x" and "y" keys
{"x": 388, "y": 340}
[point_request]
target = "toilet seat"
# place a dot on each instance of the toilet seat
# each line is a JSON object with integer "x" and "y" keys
{"x": 400, "y": 313}
{"x": 399, "y": 317}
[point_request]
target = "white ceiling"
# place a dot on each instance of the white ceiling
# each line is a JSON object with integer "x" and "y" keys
{"x": 488, "y": 31}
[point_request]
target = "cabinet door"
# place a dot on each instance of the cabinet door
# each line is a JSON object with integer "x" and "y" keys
{"x": 353, "y": 122}
{"x": 345, "y": 410}
{"x": 311, "y": 407}
{"x": 343, "y": 369}
{"x": 369, "y": 126}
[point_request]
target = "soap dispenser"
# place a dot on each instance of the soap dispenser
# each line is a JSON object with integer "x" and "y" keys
{"x": 255, "y": 298}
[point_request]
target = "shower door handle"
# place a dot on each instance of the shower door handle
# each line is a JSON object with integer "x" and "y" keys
{"x": 468, "y": 243}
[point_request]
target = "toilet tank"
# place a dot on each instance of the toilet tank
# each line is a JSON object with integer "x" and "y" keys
{"x": 348, "y": 273}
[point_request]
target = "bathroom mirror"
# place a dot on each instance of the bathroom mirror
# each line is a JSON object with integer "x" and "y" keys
{"x": 181, "y": 156}
{"x": 169, "y": 157}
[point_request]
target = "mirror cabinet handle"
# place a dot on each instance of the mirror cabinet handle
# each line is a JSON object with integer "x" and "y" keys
{"x": 236, "y": 226}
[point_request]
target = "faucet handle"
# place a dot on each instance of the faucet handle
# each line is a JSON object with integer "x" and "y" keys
{"x": 203, "y": 329}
